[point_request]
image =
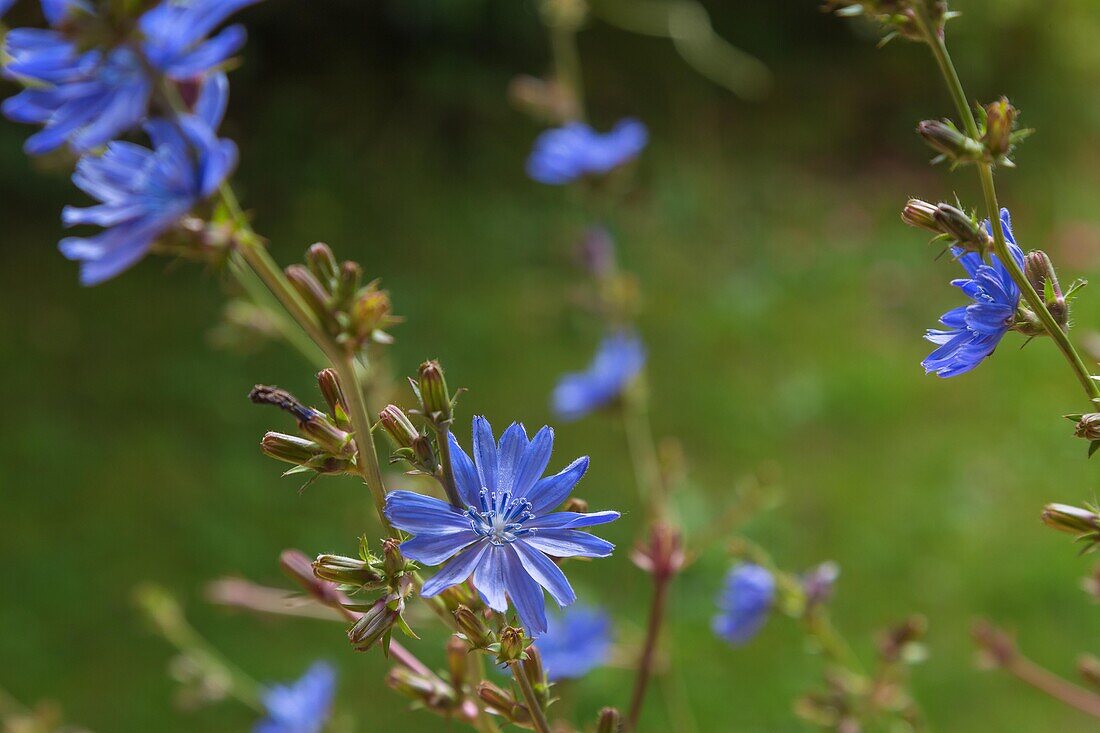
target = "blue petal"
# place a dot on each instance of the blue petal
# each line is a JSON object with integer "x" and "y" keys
{"x": 546, "y": 573}
{"x": 526, "y": 594}
{"x": 571, "y": 520}
{"x": 513, "y": 444}
{"x": 568, "y": 543}
{"x": 489, "y": 578}
{"x": 420, "y": 514}
{"x": 548, "y": 492}
{"x": 533, "y": 463}
{"x": 469, "y": 485}
{"x": 456, "y": 571}
{"x": 432, "y": 549}
{"x": 485, "y": 453}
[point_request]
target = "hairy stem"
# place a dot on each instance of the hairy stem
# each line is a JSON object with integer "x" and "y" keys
{"x": 538, "y": 717}
{"x": 938, "y": 46}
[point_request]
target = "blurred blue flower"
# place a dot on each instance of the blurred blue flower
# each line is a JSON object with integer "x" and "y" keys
{"x": 88, "y": 98}
{"x": 744, "y": 604}
{"x": 618, "y": 360}
{"x": 5, "y": 6}
{"x": 564, "y": 154}
{"x": 973, "y": 331}
{"x": 301, "y": 707}
{"x": 144, "y": 192}
{"x": 506, "y": 530}
{"x": 576, "y": 641}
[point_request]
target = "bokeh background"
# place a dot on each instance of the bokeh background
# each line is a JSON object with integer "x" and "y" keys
{"x": 784, "y": 304}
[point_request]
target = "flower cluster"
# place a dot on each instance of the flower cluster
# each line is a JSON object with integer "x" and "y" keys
{"x": 164, "y": 77}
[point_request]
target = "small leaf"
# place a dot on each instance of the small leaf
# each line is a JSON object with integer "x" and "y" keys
{"x": 1093, "y": 447}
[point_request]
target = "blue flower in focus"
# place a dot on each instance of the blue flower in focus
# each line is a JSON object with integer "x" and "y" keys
{"x": 973, "y": 331}
{"x": 144, "y": 192}
{"x": 506, "y": 530}
{"x": 618, "y": 360}
{"x": 576, "y": 642}
{"x": 564, "y": 154}
{"x": 88, "y": 98}
{"x": 301, "y": 707}
{"x": 744, "y": 604}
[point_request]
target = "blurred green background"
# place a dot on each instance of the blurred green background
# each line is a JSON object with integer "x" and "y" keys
{"x": 784, "y": 305}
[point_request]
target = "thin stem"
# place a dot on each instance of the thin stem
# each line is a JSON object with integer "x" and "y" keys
{"x": 1051, "y": 684}
{"x": 567, "y": 65}
{"x": 642, "y": 449}
{"x": 649, "y": 649}
{"x": 938, "y": 45}
{"x": 833, "y": 645}
{"x": 447, "y": 474}
{"x": 538, "y": 717}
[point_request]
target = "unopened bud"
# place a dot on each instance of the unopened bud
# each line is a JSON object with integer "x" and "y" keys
{"x": 369, "y": 311}
{"x": 290, "y": 448}
{"x": 610, "y": 721}
{"x": 376, "y": 622}
{"x": 1041, "y": 274}
{"x": 1071, "y": 519}
{"x": 430, "y": 691}
{"x": 961, "y": 227}
{"x": 298, "y": 568}
{"x": 397, "y": 424}
{"x": 348, "y": 571}
{"x": 315, "y": 296}
{"x": 333, "y": 393}
{"x": 536, "y": 673}
{"x": 331, "y": 438}
{"x": 458, "y": 652}
{"x": 575, "y": 504}
{"x": 348, "y": 283}
{"x": 392, "y": 559}
{"x": 263, "y": 394}
{"x": 434, "y": 396}
{"x": 473, "y": 627}
{"x": 322, "y": 262}
{"x": 512, "y": 645}
{"x": 920, "y": 214}
{"x": 1000, "y": 120}
{"x": 502, "y": 703}
{"x": 947, "y": 139}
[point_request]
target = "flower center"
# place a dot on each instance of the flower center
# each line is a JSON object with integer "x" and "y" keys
{"x": 500, "y": 518}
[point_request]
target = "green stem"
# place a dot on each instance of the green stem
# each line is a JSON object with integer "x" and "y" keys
{"x": 447, "y": 474}
{"x": 567, "y": 65}
{"x": 833, "y": 645}
{"x": 938, "y": 46}
{"x": 538, "y": 717}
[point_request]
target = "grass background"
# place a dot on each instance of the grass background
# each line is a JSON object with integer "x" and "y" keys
{"x": 784, "y": 303}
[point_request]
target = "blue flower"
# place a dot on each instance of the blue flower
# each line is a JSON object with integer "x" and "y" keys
{"x": 564, "y": 154}
{"x": 973, "y": 331}
{"x": 88, "y": 98}
{"x": 744, "y": 604}
{"x": 618, "y": 360}
{"x": 506, "y": 530}
{"x": 5, "y": 6}
{"x": 576, "y": 642}
{"x": 144, "y": 192}
{"x": 301, "y": 707}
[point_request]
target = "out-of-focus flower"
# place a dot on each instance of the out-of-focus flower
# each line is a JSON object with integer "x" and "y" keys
{"x": 145, "y": 192}
{"x": 618, "y": 360}
{"x": 576, "y": 641}
{"x": 301, "y": 707}
{"x": 505, "y": 533}
{"x": 973, "y": 331}
{"x": 744, "y": 604}
{"x": 564, "y": 154}
{"x": 5, "y": 6}
{"x": 90, "y": 97}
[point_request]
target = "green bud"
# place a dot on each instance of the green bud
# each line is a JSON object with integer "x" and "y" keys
{"x": 370, "y": 311}
{"x": 457, "y": 652}
{"x": 333, "y": 393}
{"x": 920, "y": 214}
{"x": 1071, "y": 519}
{"x": 961, "y": 227}
{"x": 536, "y": 673}
{"x": 298, "y": 568}
{"x": 429, "y": 691}
{"x": 393, "y": 561}
{"x": 1088, "y": 427}
{"x": 512, "y": 645}
{"x": 610, "y": 721}
{"x": 435, "y": 398}
{"x": 473, "y": 627}
{"x": 322, "y": 262}
{"x": 348, "y": 571}
{"x": 376, "y": 623}
{"x": 336, "y": 441}
{"x": 1041, "y": 274}
{"x": 315, "y": 296}
{"x": 948, "y": 140}
{"x": 290, "y": 448}
{"x": 502, "y": 703}
{"x": 348, "y": 283}
{"x": 397, "y": 424}
{"x": 1000, "y": 121}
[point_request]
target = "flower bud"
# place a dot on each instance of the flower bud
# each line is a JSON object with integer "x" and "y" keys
{"x": 434, "y": 396}
{"x": 369, "y": 312}
{"x": 376, "y": 622}
{"x": 473, "y": 627}
{"x": 1071, "y": 519}
{"x": 428, "y": 690}
{"x": 348, "y": 571}
{"x": 289, "y": 448}
{"x": 920, "y": 214}
{"x": 458, "y": 652}
{"x": 322, "y": 262}
{"x": 315, "y": 296}
{"x": 575, "y": 504}
{"x": 1040, "y": 273}
{"x": 461, "y": 595}
{"x": 947, "y": 139}
{"x": 610, "y": 721}
{"x": 299, "y": 569}
{"x": 512, "y": 645}
{"x": 393, "y": 561}
{"x": 336, "y": 441}
{"x": 1000, "y": 120}
{"x": 502, "y": 703}
{"x": 536, "y": 674}
{"x": 961, "y": 227}
{"x": 333, "y": 393}
{"x": 397, "y": 424}
{"x": 348, "y": 283}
